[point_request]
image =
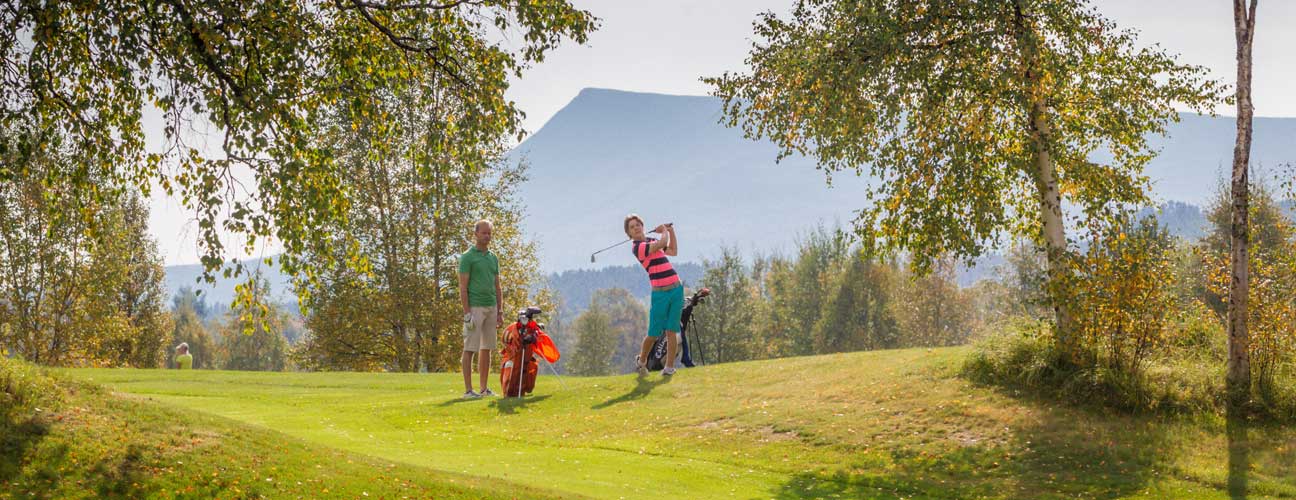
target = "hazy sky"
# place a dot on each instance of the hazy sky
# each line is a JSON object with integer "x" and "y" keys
{"x": 666, "y": 45}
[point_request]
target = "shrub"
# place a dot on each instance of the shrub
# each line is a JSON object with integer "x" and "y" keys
{"x": 25, "y": 392}
{"x": 1022, "y": 355}
{"x": 1117, "y": 296}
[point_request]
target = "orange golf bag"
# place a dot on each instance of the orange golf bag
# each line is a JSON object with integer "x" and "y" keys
{"x": 518, "y": 366}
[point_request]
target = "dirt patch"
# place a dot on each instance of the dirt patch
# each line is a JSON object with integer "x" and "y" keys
{"x": 772, "y": 435}
{"x": 713, "y": 424}
{"x": 191, "y": 439}
{"x": 965, "y": 439}
{"x": 968, "y": 439}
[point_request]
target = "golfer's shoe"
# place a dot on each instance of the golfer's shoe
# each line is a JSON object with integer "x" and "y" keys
{"x": 670, "y": 370}
{"x": 487, "y": 393}
{"x": 471, "y": 395}
{"x": 640, "y": 366}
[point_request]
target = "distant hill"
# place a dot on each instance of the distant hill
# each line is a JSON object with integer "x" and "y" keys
{"x": 577, "y": 286}
{"x": 609, "y": 153}
{"x": 222, "y": 292}
{"x": 1184, "y": 220}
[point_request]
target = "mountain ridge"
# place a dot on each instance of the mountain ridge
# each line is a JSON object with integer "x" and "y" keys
{"x": 610, "y": 152}
{"x": 606, "y": 153}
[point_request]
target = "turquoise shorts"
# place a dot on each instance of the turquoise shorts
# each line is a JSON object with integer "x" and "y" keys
{"x": 664, "y": 313}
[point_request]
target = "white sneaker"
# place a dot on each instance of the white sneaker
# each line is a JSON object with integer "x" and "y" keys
{"x": 471, "y": 395}
{"x": 486, "y": 393}
{"x": 641, "y": 367}
{"x": 670, "y": 370}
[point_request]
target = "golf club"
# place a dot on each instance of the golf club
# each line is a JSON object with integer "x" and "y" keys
{"x": 592, "y": 256}
{"x": 555, "y": 372}
{"x": 606, "y": 249}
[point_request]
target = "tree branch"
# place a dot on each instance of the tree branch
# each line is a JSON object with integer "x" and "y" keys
{"x": 403, "y": 42}
{"x": 205, "y": 51}
{"x": 409, "y": 6}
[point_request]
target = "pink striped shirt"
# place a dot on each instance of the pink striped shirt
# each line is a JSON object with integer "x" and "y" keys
{"x": 660, "y": 272}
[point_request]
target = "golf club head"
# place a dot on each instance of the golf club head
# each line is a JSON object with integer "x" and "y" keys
{"x": 591, "y": 258}
{"x": 529, "y": 313}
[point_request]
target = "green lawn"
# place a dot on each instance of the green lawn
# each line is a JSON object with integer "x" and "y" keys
{"x": 96, "y": 445}
{"x": 862, "y": 425}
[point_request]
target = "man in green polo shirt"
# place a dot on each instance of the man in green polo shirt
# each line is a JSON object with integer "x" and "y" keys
{"x": 479, "y": 292}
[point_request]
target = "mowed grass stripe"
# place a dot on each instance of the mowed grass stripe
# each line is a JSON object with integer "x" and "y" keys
{"x": 860, "y": 425}
{"x": 394, "y": 416}
{"x": 93, "y": 444}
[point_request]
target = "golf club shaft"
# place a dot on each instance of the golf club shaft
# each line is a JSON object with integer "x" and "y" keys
{"x": 618, "y": 244}
{"x": 555, "y": 372}
{"x": 610, "y": 247}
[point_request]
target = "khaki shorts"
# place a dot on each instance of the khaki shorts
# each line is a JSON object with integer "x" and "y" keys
{"x": 479, "y": 334}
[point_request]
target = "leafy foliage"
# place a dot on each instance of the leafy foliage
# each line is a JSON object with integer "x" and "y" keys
{"x": 931, "y": 310}
{"x": 254, "y": 341}
{"x": 727, "y": 327}
{"x": 187, "y": 315}
{"x": 1151, "y": 320}
{"x": 1271, "y": 301}
{"x": 595, "y": 344}
{"x": 1121, "y": 303}
{"x": 832, "y": 297}
{"x": 265, "y": 73}
{"x": 79, "y": 287}
{"x": 978, "y": 120}
{"x": 417, "y": 185}
{"x": 933, "y": 97}
{"x": 861, "y": 313}
{"x": 796, "y": 290}
{"x": 629, "y": 321}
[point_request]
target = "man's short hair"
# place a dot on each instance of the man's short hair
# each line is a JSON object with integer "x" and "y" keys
{"x": 479, "y": 223}
{"x": 626, "y": 225}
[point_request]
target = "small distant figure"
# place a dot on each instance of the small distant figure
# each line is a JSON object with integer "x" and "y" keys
{"x": 183, "y": 359}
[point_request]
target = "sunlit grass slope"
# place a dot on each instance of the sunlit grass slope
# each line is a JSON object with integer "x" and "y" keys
{"x": 879, "y": 424}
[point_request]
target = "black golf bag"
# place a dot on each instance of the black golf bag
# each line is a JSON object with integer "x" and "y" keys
{"x": 657, "y": 356}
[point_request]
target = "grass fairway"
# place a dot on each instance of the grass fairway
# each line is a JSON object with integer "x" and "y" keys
{"x": 90, "y": 444}
{"x": 881, "y": 424}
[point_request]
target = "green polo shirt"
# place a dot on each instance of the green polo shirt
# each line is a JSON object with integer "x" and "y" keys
{"x": 481, "y": 267}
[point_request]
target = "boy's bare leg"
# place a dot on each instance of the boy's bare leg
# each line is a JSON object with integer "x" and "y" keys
{"x": 672, "y": 346}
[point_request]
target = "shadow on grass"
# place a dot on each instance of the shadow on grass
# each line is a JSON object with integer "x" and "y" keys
{"x": 36, "y": 468}
{"x": 457, "y": 400}
{"x": 642, "y": 387}
{"x": 122, "y": 479}
{"x": 509, "y": 406}
{"x": 1239, "y": 449}
{"x": 15, "y": 441}
{"x": 1066, "y": 453}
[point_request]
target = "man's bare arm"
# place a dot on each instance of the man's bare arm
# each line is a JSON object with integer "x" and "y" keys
{"x": 463, "y": 291}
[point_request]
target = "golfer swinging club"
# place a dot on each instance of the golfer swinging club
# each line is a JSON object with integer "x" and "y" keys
{"x": 667, "y": 291}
